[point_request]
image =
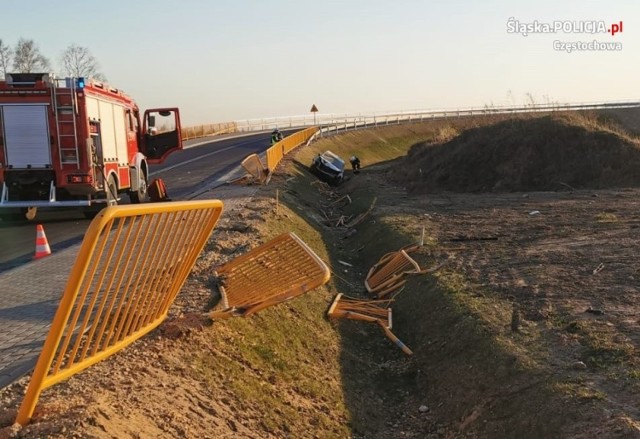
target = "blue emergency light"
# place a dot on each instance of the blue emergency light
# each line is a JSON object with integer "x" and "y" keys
{"x": 80, "y": 83}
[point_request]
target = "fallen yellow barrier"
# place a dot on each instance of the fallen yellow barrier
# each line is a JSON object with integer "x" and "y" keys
{"x": 279, "y": 270}
{"x": 253, "y": 165}
{"x": 374, "y": 311}
{"x": 387, "y": 275}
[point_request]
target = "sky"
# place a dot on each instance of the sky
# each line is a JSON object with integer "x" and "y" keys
{"x": 223, "y": 60}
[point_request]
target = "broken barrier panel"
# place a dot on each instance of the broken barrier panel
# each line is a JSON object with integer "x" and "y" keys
{"x": 279, "y": 270}
{"x": 373, "y": 311}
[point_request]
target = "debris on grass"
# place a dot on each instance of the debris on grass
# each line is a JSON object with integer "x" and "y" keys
{"x": 357, "y": 220}
{"x": 373, "y": 311}
{"x": 387, "y": 275}
{"x": 598, "y": 269}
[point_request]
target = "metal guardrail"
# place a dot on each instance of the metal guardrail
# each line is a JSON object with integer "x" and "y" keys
{"x": 349, "y": 121}
{"x": 335, "y": 122}
{"x": 132, "y": 263}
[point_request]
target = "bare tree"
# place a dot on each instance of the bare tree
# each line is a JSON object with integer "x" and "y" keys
{"x": 78, "y": 61}
{"x": 28, "y": 59}
{"x": 5, "y": 58}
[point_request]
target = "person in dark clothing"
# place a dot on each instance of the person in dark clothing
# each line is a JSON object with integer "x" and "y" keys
{"x": 355, "y": 164}
{"x": 276, "y": 136}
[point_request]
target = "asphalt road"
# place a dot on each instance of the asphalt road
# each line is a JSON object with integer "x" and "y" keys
{"x": 183, "y": 172}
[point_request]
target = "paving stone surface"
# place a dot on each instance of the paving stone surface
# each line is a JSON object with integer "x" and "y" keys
{"x": 29, "y": 294}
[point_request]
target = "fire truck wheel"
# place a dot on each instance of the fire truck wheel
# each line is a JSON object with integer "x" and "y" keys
{"x": 112, "y": 192}
{"x": 138, "y": 196}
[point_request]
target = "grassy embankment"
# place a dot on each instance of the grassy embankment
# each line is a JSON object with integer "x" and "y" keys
{"x": 338, "y": 378}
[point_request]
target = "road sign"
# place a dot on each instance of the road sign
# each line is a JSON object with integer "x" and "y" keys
{"x": 314, "y": 110}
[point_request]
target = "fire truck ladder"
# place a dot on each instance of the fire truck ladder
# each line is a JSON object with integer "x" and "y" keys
{"x": 65, "y": 104}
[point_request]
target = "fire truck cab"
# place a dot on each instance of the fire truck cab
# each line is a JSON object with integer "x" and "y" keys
{"x": 68, "y": 142}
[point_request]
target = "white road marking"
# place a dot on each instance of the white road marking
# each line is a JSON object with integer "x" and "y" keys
{"x": 200, "y": 157}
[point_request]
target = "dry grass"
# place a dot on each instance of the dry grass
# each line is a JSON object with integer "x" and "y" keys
{"x": 534, "y": 153}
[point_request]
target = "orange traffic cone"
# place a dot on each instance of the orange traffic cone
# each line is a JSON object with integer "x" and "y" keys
{"x": 42, "y": 246}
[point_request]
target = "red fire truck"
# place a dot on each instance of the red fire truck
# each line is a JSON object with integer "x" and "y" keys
{"x": 77, "y": 142}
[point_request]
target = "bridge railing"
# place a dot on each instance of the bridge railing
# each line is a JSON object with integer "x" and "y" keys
{"x": 333, "y": 122}
{"x": 341, "y": 121}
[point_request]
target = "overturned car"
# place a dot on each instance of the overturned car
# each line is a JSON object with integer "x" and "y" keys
{"x": 328, "y": 167}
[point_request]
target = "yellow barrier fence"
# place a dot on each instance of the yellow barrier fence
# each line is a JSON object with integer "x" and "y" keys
{"x": 130, "y": 267}
{"x": 286, "y": 145}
